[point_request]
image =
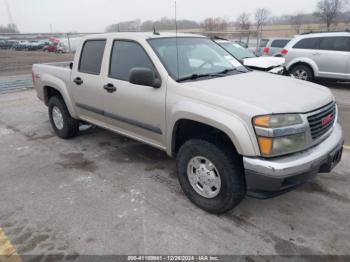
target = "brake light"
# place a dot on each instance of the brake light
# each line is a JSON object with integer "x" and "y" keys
{"x": 284, "y": 52}
{"x": 266, "y": 51}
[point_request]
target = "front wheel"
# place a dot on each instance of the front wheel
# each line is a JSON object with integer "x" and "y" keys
{"x": 61, "y": 121}
{"x": 302, "y": 72}
{"x": 211, "y": 175}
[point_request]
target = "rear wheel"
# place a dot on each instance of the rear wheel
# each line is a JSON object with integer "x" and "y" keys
{"x": 211, "y": 175}
{"x": 302, "y": 72}
{"x": 61, "y": 121}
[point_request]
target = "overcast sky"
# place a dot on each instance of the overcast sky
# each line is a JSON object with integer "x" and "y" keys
{"x": 95, "y": 15}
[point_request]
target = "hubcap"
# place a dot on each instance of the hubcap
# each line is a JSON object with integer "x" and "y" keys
{"x": 57, "y": 118}
{"x": 204, "y": 177}
{"x": 301, "y": 74}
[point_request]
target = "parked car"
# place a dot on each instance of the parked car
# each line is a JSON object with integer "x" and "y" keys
{"x": 233, "y": 131}
{"x": 271, "y": 46}
{"x": 34, "y": 45}
{"x": 21, "y": 45}
{"x": 273, "y": 65}
{"x": 241, "y": 43}
{"x": 320, "y": 55}
{"x": 52, "y": 47}
{"x": 9, "y": 44}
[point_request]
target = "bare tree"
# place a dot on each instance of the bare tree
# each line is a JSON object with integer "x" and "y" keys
{"x": 329, "y": 10}
{"x": 215, "y": 24}
{"x": 261, "y": 17}
{"x": 243, "y": 21}
{"x": 297, "y": 21}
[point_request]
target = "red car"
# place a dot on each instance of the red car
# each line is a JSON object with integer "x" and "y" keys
{"x": 50, "y": 48}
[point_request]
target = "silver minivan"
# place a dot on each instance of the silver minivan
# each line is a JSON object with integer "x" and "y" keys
{"x": 320, "y": 55}
{"x": 271, "y": 46}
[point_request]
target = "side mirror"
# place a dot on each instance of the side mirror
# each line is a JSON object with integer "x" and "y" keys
{"x": 71, "y": 65}
{"x": 144, "y": 77}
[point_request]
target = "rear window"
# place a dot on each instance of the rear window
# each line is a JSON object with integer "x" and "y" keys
{"x": 263, "y": 42}
{"x": 308, "y": 43}
{"x": 91, "y": 57}
{"x": 280, "y": 43}
{"x": 335, "y": 43}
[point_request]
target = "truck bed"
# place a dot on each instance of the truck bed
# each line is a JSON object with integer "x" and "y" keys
{"x": 51, "y": 73}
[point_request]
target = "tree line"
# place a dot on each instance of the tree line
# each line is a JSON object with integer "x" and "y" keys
{"x": 10, "y": 28}
{"x": 328, "y": 12}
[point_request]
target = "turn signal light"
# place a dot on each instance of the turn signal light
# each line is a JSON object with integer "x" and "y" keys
{"x": 265, "y": 145}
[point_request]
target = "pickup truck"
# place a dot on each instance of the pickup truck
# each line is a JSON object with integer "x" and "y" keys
{"x": 234, "y": 132}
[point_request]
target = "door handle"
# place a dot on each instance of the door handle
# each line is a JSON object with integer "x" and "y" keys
{"x": 110, "y": 88}
{"x": 78, "y": 81}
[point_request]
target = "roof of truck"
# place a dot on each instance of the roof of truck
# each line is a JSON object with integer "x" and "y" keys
{"x": 140, "y": 35}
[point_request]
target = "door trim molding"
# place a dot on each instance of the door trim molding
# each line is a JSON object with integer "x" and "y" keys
{"x": 123, "y": 119}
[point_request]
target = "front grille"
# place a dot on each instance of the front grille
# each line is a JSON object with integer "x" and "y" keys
{"x": 322, "y": 120}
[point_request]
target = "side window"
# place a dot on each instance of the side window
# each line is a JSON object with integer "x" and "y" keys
{"x": 335, "y": 44}
{"x": 308, "y": 43}
{"x": 280, "y": 43}
{"x": 126, "y": 56}
{"x": 263, "y": 42}
{"x": 91, "y": 57}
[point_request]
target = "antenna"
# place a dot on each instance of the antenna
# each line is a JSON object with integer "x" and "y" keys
{"x": 177, "y": 44}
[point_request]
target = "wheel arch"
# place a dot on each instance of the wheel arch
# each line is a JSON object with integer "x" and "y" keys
{"x": 57, "y": 87}
{"x": 225, "y": 124}
{"x": 304, "y": 61}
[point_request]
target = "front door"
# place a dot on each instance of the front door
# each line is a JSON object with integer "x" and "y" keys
{"x": 138, "y": 110}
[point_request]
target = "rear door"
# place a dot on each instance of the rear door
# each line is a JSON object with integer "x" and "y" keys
{"x": 137, "y": 110}
{"x": 332, "y": 57}
{"x": 86, "y": 80}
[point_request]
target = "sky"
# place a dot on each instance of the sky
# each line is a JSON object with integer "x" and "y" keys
{"x": 95, "y": 15}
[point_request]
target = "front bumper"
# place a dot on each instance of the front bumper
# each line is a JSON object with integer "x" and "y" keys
{"x": 271, "y": 177}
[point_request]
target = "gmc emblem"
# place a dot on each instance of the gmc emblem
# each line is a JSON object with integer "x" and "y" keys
{"x": 325, "y": 121}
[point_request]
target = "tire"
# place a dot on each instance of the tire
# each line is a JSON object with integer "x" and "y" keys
{"x": 302, "y": 72}
{"x": 227, "y": 166}
{"x": 61, "y": 121}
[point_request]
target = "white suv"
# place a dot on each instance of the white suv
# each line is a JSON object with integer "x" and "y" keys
{"x": 320, "y": 55}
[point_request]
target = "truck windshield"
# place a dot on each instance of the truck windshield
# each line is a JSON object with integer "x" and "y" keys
{"x": 189, "y": 58}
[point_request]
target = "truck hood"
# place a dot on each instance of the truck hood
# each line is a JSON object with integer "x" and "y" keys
{"x": 264, "y": 62}
{"x": 261, "y": 93}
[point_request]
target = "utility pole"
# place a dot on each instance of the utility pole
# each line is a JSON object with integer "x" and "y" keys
{"x": 9, "y": 13}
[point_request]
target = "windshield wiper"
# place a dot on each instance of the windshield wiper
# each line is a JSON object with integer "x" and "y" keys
{"x": 193, "y": 77}
{"x": 218, "y": 74}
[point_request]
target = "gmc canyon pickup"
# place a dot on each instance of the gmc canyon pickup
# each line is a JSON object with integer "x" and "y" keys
{"x": 233, "y": 131}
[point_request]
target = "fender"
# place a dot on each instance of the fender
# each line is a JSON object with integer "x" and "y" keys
{"x": 235, "y": 128}
{"x": 58, "y": 84}
{"x": 304, "y": 60}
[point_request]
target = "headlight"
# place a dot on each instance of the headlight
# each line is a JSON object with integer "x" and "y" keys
{"x": 280, "y": 134}
{"x": 273, "y": 121}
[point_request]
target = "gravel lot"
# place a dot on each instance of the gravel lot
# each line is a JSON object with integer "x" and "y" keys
{"x": 20, "y": 62}
{"x": 103, "y": 194}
